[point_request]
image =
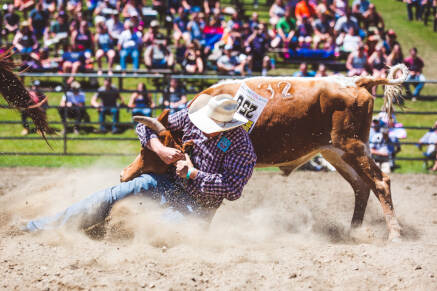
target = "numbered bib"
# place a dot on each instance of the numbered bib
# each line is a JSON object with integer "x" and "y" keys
{"x": 250, "y": 105}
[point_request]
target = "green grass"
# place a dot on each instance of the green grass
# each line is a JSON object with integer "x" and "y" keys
{"x": 394, "y": 13}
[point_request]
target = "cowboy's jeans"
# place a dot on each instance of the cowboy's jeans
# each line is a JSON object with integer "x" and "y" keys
{"x": 96, "y": 207}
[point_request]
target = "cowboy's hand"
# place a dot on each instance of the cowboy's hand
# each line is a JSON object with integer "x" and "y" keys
{"x": 182, "y": 167}
{"x": 170, "y": 155}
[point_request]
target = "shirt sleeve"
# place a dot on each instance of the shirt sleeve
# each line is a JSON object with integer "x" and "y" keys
{"x": 237, "y": 170}
{"x": 176, "y": 122}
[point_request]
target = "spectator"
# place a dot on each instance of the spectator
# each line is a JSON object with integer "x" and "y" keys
{"x": 322, "y": 30}
{"x": 39, "y": 19}
{"x": 349, "y": 42}
{"x": 195, "y": 27}
{"x": 192, "y": 62}
{"x": 396, "y": 56}
{"x": 10, "y": 22}
{"x": 82, "y": 39}
{"x": 153, "y": 33}
{"x": 230, "y": 63}
{"x": 130, "y": 9}
{"x": 24, "y": 41}
{"x": 276, "y": 12}
{"x": 108, "y": 96}
{"x": 235, "y": 21}
{"x": 303, "y": 71}
{"x": 105, "y": 45}
{"x": 140, "y": 101}
{"x": 209, "y": 6}
{"x": 415, "y": 65}
{"x": 363, "y": 4}
{"x": 37, "y": 96}
{"x": 377, "y": 63}
{"x": 414, "y": 4}
{"x": 345, "y": 22}
{"x": 176, "y": 97}
{"x": 129, "y": 45}
{"x": 357, "y": 62}
{"x": 49, "y": 5}
{"x": 372, "y": 18}
{"x": 24, "y": 6}
{"x": 74, "y": 61}
{"x": 254, "y": 20}
{"x": 74, "y": 6}
{"x": 305, "y": 8}
{"x": 180, "y": 26}
{"x": 339, "y": 7}
{"x": 158, "y": 55}
{"x": 257, "y": 48}
{"x": 390, "y": 41}
{"x": 384, "y": 149}
{"x": 430, "y": 139}
{"x": 103, "y": 11}
{"x": 58, "y": 32}
{"x": 321, "y": 71}
{"x": 73, "y": 106}
{"x": 114, "y": 25}
{"x": 305, "y": 30}
{"x": 286, "y": 33}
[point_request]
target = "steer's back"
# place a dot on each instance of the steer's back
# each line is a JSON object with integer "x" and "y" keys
{"x": 303, "y": 114}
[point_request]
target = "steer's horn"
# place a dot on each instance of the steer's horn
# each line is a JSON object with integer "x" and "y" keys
{"x": 150, "y": 122}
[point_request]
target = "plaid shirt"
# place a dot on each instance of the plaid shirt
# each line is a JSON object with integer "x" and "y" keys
{"x": 225, "y": 162}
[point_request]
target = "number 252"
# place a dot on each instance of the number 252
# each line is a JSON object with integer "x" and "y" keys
{"x": 245, "y": 107}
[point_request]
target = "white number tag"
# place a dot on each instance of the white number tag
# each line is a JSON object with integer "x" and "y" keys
{"x": 250, "y": 105}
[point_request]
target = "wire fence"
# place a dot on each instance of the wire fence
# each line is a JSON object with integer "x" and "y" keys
{"x": 165, "y": 78}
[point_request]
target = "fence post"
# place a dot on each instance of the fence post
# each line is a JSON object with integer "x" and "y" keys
{"x": 65, "y": 130}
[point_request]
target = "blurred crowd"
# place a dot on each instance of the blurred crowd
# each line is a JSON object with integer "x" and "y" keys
{"x": 422, "y": 10}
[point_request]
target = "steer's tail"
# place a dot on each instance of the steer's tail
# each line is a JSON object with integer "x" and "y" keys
{"x": 393, "y": 85}
{"x": 17, "y": 96}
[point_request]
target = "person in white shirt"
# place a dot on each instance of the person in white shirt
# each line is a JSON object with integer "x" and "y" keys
{"x": 129, "y": 44}
{"x": 73, "y": 106}
{"x": 430, "y": 139}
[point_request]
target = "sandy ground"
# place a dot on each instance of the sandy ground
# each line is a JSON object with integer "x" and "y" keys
{"x": 285, "y": 233}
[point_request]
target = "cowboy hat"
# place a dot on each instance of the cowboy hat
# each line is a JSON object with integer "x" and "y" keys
{"x": 215, "y": 113}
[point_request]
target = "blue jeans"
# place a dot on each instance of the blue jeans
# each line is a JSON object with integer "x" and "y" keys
{"x": 105, "y": 111}
{"x": 96, "y": 207}
{"x": 133, "y": 53}
{"x": 417, "y": 86}
{"x": 142, "y": 111}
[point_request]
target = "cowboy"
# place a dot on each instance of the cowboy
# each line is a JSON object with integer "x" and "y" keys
{"x": 220, "y": 165}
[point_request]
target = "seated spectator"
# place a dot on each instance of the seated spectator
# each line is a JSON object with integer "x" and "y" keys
{"x": 357, "y": 63}
{"x": 24, "y": 6}
{"x": 74, "y": 6}
{"x": 152, "y": 34}
{"x": 305, "y": 30}
{"x": 130, "y": 9}
{"x": 192, "y": 62}
{"x": 73, "y": 106}
{"x": 114, "y": 25}
{"x": 49, "y": 5}
{"x": 103, "y": 11}
{"x": 322, "y": 30}
{"x": 254, "y": 20}
{"x": 177, "y": 98}
{"x": 74, "y": 61}
{"x": 305, "y": 8}
{"x": 303, "y": 71}
{"x": 257, "y": 47}
{"x": 10, "y": 22}
{"x": 195, "y": 28}
{"x": 58, "y": 32}
{"x": 140, "y": 101}
{"x": 415, "y": 65}
{"x": 24, "y": 41}
{"x": 108, "y": 96}
{"x": 37, "y": 96}
{"x": 346, "y": 22}
{"x": 39, "y": 20}
{"x": 390, "y": 41}
{"x": 384, "y": 149}
{"x": 414, "y": 4}
{"x": 339, "y": 7}
{"x": 82, "y": 39}
{"x": 230, "y": 63}
{"x": 396, "y": 56}
{"x": 105, "y": 45}
{"x": 348, "y": 42}
{"x": 286, "y": 33}
{"x": 158, "y": 55}
{"x": 235, "y": 21}
{"x": 209, "y": 6}
{"x": 129, "y": 44}
{"x": 363, "y": 5}
{"x": 372, "y": 18}
{"x": 430, "y": 139}
{"x": 321, "y": 71}
{"x": 377, "y": 62}
{"x": 276, "y": 12}
{"x": 180, "y": 26}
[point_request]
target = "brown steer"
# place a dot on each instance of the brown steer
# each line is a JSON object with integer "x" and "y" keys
{"x": 332, "y": 116}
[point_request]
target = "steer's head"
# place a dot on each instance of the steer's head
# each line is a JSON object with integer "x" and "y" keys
{"x": 148, "y": 161}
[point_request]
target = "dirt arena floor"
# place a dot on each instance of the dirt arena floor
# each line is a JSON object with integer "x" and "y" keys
{"x": 285, "y": 233}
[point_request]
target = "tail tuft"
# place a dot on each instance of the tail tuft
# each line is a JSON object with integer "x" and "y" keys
{"x": 393, "y": 89}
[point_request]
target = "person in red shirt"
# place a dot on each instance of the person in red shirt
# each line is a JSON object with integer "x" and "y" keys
{"x": 37, "y": 96}
{"x": 305, "y": 8}
{"x": 415, "y": 65}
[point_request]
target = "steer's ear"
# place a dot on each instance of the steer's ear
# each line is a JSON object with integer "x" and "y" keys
{"x": 163, "y": 117}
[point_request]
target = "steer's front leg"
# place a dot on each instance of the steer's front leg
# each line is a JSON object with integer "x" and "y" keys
{"x": 133, "y": 170}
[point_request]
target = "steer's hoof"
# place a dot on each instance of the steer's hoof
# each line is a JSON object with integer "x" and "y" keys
{"x": 395, "y": 237}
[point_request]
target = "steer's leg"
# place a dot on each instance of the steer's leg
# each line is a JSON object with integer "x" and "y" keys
{"x": 133, "y": 170}
{"x": 361, "y": 189}
{"x": 358, "y": 157}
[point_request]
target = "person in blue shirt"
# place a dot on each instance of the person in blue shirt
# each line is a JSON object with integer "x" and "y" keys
{"x": 303, "y": 71}
{"x": 140, "y": 101}
{"x": 177, "y": 97}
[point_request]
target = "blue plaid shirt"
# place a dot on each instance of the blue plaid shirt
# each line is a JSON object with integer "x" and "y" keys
{"x": 225, "y": 162}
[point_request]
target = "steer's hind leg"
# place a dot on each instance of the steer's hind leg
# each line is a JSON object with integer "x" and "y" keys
{"x": 361, "y": 189}
{"x": 358, "y": 157}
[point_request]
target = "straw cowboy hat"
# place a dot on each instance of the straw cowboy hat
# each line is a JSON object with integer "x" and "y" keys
{"x": 215, "y": 113}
